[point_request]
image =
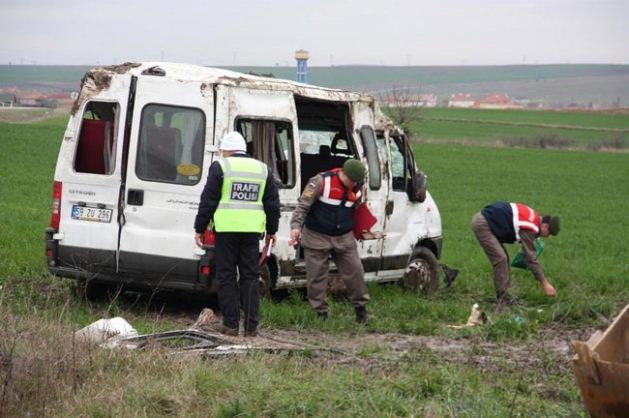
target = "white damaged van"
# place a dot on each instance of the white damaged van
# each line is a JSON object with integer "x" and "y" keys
{"x": 137, "y": 149}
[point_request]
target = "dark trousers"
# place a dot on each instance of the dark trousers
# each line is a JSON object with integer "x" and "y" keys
{"x": 238, "y": 250}
{"x": 496, "y": 253}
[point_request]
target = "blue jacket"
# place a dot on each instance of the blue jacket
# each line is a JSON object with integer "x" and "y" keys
{"x": 499, "y": 216}
{"x": 331, "y": 219}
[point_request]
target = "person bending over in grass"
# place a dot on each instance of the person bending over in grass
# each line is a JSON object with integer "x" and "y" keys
{"x": 504, "y": 222}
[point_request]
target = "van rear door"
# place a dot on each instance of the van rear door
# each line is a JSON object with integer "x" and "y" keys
{"x": 165, "y": 177}
{"x": 88, "y": 174}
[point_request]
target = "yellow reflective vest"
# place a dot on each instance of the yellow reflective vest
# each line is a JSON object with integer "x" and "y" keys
{"x": 240, "y": 208}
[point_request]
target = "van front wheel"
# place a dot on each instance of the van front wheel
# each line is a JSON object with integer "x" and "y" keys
{"x": 422, "y": 272}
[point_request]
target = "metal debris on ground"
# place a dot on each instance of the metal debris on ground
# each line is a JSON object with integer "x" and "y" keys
{"x": 199, "y": 340}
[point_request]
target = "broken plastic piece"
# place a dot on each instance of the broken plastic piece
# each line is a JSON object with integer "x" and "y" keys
{"x": 105, "y": 329}
{"x": 477, "y": 317}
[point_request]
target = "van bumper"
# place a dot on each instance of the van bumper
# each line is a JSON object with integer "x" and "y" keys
{"x": 133, "y": 283}
{"x": 159, "y": 273}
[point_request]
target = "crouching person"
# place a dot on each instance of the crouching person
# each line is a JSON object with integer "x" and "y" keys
{"x": 504, "y": 222}
{"x": 324, "y": 223}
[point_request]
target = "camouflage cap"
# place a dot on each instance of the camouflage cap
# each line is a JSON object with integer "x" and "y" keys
{"x": 354, "y": 169}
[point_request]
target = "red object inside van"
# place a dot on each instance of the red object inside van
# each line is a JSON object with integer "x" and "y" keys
{"x": 90, "y": 153}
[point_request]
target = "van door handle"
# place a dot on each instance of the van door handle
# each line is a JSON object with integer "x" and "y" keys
{"x": 135, "y": 197}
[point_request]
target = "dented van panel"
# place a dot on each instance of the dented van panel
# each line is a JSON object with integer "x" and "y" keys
{"x": 138, "y": 147}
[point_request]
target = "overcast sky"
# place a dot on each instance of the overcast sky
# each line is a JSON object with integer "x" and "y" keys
{"x": 251, "y": 32}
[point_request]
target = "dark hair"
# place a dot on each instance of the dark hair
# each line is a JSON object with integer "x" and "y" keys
{"x": 553, "y": 223}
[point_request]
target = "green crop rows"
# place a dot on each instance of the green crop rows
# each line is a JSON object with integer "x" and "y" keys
{"x": 587, "y": 262}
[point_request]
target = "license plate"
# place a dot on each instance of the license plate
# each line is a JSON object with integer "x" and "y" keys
{"x": 83, "y": 213}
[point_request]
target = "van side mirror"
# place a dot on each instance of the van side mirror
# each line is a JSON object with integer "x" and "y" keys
{"x": 417, "y": 187}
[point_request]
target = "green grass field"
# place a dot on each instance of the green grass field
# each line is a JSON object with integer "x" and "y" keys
{"x": 605, "y": 121}
{"x": 524, "y": 128}
{"x": 587, "y": 262}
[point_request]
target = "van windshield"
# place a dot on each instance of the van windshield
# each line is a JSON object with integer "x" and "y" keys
{"x": 311, "y": 142}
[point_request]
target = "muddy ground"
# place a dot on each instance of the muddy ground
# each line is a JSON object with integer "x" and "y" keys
{"x": 549, "y": 349}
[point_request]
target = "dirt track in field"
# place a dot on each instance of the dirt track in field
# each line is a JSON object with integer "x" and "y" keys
{"x": 549, "y": 349}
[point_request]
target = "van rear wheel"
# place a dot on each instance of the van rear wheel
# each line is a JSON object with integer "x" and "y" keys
{"x": 97, "y": 291}
{"x": 422, "y": 272}
{"x": 265, "y": 284}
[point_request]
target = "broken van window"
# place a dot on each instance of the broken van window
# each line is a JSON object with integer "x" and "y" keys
{"x": 325, "y": 139}
{"x": 170, "y": 147}
{"x": 371, "y": 151}
{"x": 398, "y": 165}
{"x": 96, "y": 147}
{"x": 382, "y": 150}
{"x": 271, "y": 141}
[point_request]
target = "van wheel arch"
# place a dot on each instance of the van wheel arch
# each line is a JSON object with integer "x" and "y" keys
{"x": 422, "y": 271}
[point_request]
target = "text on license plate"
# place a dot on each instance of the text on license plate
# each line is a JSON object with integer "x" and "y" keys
{"x": 83, "y": 213}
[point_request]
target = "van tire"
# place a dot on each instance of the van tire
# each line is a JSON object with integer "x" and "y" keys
{"x": 266, "y": 282}
{"x": 422, "y": 272}
{"x": 97, "y": 291}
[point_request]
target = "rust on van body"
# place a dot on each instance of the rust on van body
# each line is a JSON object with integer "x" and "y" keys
{"x": 121, "y": 68}
{"x": 99, "y": 79}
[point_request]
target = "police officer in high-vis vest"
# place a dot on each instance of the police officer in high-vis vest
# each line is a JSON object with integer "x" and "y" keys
{"x": 241, "y": 200}
{"x": 504, "y": 222}
{"x": 324, "y": 223}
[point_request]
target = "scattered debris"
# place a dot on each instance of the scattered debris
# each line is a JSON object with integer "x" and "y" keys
{"x": 601, "y": 367}
{"x": 103, "y": 330}
{"x": 449, "y": 274}
{"x": 206, "y": 319}
{"x": 477, "y": 317}
{"x": 200, "y": 339}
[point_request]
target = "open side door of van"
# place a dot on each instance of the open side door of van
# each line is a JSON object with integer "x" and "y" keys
{"x": 267, "y": 119}
{"x": 410, "y": 220}
{"x": 376, "y": 184}
{"x": 166, "y": 171}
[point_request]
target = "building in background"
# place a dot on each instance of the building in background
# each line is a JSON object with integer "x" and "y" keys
{"x": 461, "y": 100}
{"x": 408, "y": 100}
{"x": 302, "y": 65}
{"x": 496, "y": 101}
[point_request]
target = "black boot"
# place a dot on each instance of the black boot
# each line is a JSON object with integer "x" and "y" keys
{"x": 361, "y": 314}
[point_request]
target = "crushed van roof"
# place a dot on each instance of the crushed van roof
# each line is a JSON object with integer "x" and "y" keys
{"x": 99, "y": 78}
{"x": 210, "y": 75}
